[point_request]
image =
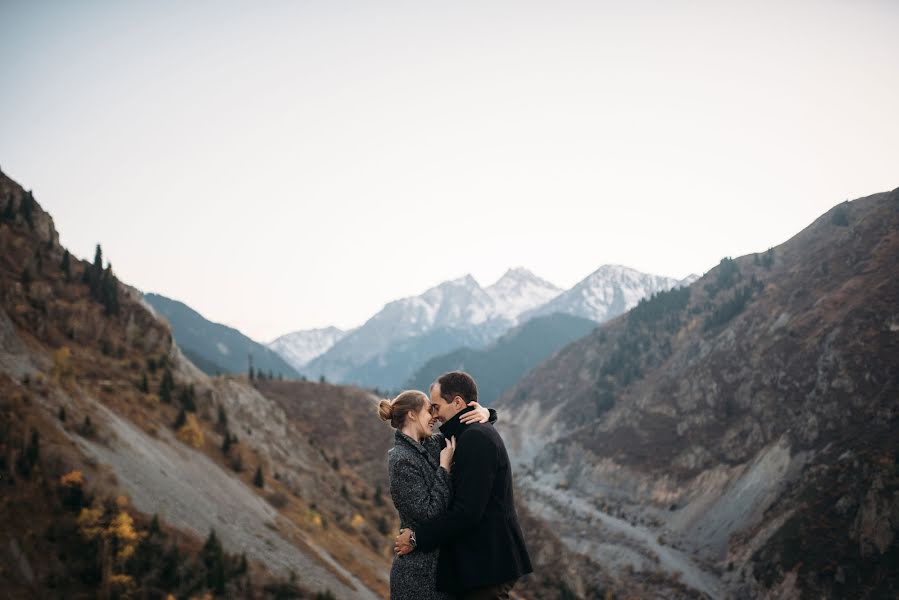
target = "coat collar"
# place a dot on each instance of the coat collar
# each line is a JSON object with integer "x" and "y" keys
{"x": 401, "y": 438}
{"x": 454, "y": 426}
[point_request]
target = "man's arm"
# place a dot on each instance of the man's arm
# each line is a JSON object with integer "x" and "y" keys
{"x": 476, "y": 460}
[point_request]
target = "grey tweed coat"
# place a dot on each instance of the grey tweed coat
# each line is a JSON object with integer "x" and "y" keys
{"x": 420, "y": 490}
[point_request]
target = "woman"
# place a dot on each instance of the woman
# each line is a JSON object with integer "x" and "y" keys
{"x": 419, "y": 469}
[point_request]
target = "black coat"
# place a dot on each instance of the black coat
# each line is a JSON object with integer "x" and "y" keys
{"x": 479, "y": 537}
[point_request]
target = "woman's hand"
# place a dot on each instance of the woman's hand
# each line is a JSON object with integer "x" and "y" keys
{"x": 478, "y": 415}
{"x": 446, "y": 455}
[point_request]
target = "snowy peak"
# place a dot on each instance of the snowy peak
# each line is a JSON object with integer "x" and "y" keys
{"x": 519, "y": 291}
{"x": 606, "y": 293}
{"x": 299, "y": 348}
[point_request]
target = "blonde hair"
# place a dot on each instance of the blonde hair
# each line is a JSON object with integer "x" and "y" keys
{"x": 396, "y": 410}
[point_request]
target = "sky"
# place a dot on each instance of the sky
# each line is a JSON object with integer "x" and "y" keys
{"x": 283, "y": 166}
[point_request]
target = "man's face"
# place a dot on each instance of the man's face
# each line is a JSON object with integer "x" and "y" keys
{"x": 445, "y": 410}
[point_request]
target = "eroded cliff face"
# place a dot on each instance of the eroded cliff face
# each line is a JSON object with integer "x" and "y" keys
{"x": 731, "y": 432}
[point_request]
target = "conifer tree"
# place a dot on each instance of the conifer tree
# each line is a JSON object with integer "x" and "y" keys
{"x": 96, "y": 274}
{"x": 258, "y": 479}
{"x": 214, "y": 561}
{"x": 186, "y": 399}
{"x": 109, "y": 294}
{"x": 166, "y": 386}
{"x": 9, "y": 213}
{"x": 180, "y": 420}
{"x": 144, "y": 385}
{"x": 26, "y": 207}
{"x": 66, "y": 265}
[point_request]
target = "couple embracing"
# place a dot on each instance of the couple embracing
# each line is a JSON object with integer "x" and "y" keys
{"x": 460, "y": 536}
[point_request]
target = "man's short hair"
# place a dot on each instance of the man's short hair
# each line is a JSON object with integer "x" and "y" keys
{"x": 458, "y": 383}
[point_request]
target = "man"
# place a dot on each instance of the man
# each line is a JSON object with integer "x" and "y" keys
{"x": 482, "y": 551}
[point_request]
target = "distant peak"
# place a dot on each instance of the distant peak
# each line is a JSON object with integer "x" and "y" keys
{"x": 518, "y": 274}
{"x": 464, "y": 281}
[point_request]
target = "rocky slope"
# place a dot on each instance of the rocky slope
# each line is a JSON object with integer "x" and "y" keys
{"x": 740, "y": 433}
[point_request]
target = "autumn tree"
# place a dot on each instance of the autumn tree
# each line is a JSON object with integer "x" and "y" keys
{"x": 190, "y": 432}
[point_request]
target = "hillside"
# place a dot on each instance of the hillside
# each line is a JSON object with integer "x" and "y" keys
{"x": 105, "y": 425}
{"x": 739, "y": 433}
{"x": 215, "y": 348}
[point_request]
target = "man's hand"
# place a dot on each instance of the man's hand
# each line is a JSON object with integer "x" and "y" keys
{"x": 402, "y": 544}
{"x": 478, "y": 415}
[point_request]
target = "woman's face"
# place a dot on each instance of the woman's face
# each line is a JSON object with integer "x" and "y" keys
{"x": 425, "y": 419}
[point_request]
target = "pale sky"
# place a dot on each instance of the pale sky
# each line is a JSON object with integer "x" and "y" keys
{"x": 302, "y": 164}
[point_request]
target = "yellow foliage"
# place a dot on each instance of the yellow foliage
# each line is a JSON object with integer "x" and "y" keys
{"x": 357, "y": 520}
{"x": 90, "y": 522}
{"x": 62, "y": 365}
{"x": 190, "y": 433}
{"x": 72, "y": 479}
{"x": 315, "y": 518}
{"x": 121, "y": 581}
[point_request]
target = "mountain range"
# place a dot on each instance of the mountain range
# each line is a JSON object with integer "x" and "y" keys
{"x": 497, "y": 367}
{"x": 391, "y": 346}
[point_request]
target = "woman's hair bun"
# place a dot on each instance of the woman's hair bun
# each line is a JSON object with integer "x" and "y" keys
{"x": 385, "y": 410}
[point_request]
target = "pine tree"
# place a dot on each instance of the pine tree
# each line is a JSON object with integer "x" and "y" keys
{"x": 96, "y": 274}
{"x": 109, "y": 294}
{"x": 166, "y": 386}
{"x": 222, "y": 418}
{"x": 214, "y": 561}
{"x": 66, "y": 265}
{"x": 26, "y": 207}
{"x": 26, "y": 277}
{"x": 226, "y": 442}
{"x": 186, "y": 399}
{"x": 9, "y": 212}
{"x": 154, "y": 525}
{"x": 251, "y": 374}
{"x": 180, "y": 420}
{"x": 144, "y": 385}
{"x": 258, "y": 479}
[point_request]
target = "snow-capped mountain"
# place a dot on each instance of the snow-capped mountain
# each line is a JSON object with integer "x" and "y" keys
{"x": 405, "y": 333}
{"x": 519, "y": 291}
{"x": 298, "y": 348}
{"x": 606, "y": 293}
